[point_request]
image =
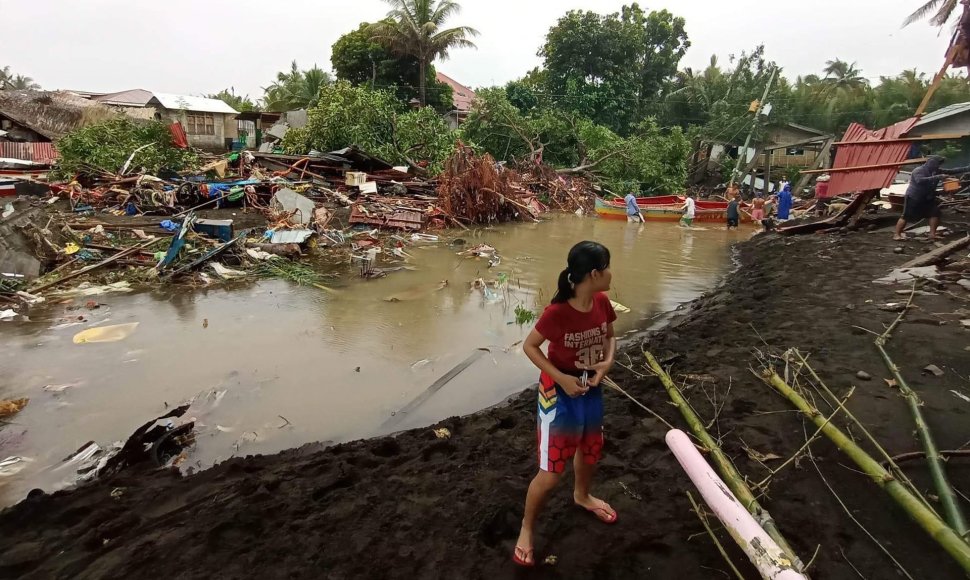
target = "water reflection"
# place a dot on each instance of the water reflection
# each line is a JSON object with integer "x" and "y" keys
{"x": 334, "y": 365}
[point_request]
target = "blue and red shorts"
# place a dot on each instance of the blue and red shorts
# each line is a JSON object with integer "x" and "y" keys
{"x": 566, "y": 424}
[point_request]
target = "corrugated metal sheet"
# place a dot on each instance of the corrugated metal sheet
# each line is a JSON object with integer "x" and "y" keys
{"x": 36, "y": 152}
{"x": 875, "y": 154}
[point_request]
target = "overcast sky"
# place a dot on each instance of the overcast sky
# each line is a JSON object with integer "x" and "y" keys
{"x": 203, "y": 46}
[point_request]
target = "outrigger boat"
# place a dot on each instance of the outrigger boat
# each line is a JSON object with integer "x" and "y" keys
{"x": 667, "y": 208}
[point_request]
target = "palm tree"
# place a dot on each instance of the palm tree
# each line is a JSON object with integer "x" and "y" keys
{"x": 414, "y": 28}
{"x": 296, "y": 89}
{"x": 844, "y": 76}
{"x": 5, "y": 76}
{"x": 944, "y": 10}
{"x": 22, "y": 83}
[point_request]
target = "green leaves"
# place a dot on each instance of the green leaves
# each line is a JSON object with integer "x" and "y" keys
{"x": 296, "y": 89}
{"x": 376, "y": 122}
{"x": 107, "y": 146}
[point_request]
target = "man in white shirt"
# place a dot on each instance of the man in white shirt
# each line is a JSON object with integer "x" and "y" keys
{"x": 688, "y": 209}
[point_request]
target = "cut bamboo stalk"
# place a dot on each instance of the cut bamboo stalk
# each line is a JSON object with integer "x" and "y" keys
{"x": 730, "y": 474}
{"x": 707, "y": 526}
{"x": 948, "y": 499}
{"x": 929, "y": 521}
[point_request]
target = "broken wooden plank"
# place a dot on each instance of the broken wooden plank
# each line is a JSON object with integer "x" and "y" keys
{"x": 930, "y": 258}
{"x": 92, "y": 267}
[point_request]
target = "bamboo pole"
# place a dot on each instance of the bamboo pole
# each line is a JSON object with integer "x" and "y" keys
{"x": 930, "y": 522}
{"x": 707, "y": 526}
{"x": 948, "y": 500}
{"x": 730, "y": 474}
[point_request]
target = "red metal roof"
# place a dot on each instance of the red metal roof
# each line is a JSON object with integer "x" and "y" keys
{"x": 36, "y": 152}
{"x": 462, "y": 97}
{"x": 875, "y": 154}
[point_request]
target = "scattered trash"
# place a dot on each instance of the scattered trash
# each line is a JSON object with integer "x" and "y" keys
{"x": 960, "y": 395}
{"x": 12, "y": 406}
{"x": 7, "y": 211}
{"x": 619, "y": 307}
{"x": 892, "y": 307}
{"x": 224, "y": 272}
{"x": 8, "y": 314}
{"x": 100, "y": 334}
{"x": 117, "y": 492}
{"x": 59, "y": 388}
{"x": 88, "y": 289}
{"x": 299, "y": 208}
{"x": 937, "y": 371}
{"x": 551, "y": 560}
{"x": 442, "y": 433}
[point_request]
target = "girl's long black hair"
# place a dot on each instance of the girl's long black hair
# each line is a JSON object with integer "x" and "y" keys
{"x": 583, "y": 258}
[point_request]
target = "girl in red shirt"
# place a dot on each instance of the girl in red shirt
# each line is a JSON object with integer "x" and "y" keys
{"x": 579, "y": 327}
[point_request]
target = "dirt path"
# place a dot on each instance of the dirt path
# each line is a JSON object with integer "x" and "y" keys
{"x": 418, "y": 507}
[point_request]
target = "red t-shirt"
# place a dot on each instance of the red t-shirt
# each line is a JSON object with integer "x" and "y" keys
{"x": 574, "y": 336}
{"x": 822, "y": 190}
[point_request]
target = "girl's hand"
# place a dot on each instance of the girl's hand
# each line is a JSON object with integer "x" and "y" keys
{"x": 600, "y": 368}
{"x": 572, "y": 385}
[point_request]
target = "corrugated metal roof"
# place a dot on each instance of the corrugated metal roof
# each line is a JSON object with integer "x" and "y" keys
{"x": 36, "y": 152}
{"x": 130, "y": 98}
{"x": 943, "y": 113}
{"x": 875, "y": 154}
{"x": 190, "y": 103}
{"x": 462, "y": 97}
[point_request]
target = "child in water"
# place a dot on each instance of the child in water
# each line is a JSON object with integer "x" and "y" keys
{"x": 579, "y": 327}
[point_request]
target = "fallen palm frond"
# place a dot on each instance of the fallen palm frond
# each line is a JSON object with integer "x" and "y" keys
{"x": 926, "y": 518}
{"x": 948, "y": 499}
{"x": 727, "y": 470}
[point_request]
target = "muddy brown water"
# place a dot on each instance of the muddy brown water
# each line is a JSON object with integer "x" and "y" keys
{"x": 274, "y": 365}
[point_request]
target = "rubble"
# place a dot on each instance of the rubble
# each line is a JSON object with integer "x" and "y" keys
{"x": 247, "y": 209}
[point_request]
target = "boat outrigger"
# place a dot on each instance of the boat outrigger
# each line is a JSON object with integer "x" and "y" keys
{"x": 666, "y": 208}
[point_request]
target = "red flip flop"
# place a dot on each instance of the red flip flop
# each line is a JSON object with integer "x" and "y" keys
{"x": 603, "y": 515}
{"x": 521, "y": 561}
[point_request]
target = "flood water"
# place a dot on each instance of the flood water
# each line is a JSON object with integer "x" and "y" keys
{"x": 274, "y": 365}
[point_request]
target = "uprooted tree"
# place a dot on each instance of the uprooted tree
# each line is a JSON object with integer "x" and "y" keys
{"x": 106, "y": 147}
{"x": 649, "y": 160}
{"x": 376, "y": 122}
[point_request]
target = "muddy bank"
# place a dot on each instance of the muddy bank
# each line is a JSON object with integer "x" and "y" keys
{"x": 416, "y": 506}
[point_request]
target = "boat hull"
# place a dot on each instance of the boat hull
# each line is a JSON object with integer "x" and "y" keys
{"x": 705, "y": 211}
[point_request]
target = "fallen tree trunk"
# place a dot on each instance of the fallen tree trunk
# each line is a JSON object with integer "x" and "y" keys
{"x": 932, "y": 257}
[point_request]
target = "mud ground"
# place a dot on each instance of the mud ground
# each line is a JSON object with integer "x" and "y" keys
{"x": 414, "y": 506}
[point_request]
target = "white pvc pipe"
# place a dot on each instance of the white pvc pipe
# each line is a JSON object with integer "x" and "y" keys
{"x": 763, "y": 552}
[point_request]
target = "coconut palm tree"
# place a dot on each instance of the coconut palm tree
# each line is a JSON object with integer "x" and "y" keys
{"x": 414, "y": 28}
{"x": 296, "y": 89}
{"x": 844, "y": 76}
{"x": 944, "y": 9}
{"x": 21, "y": 83}
{"x": 5, "y": 76}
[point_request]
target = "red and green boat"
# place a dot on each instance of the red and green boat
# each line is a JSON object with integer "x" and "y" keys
{"x": 666, "y": 208}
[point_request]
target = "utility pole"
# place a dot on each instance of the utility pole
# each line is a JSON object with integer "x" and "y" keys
{"x": 757, "y": 117}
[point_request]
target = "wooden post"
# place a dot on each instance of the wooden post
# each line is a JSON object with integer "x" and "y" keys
{"x": 768, "y": 154}
{"x": 821, "y": 159}
{"x": 950, "y": 55}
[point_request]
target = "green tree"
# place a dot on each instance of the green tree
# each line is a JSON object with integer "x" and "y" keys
{"x": 295, "y": 88}
{"x": 943, "y": 9}
{"x": 611, "y": 68}
{"x": 415, "y": 28}
{"x": 357, "y": 58}
{"x": 376, "y": 122}
{"x": 240, "y": 103}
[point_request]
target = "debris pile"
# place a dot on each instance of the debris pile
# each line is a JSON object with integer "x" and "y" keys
{"x": 477, "y": 190}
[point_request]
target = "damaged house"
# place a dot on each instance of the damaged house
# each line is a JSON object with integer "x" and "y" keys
{"x": 210, "y": 124}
